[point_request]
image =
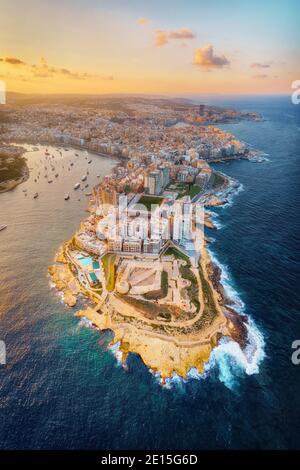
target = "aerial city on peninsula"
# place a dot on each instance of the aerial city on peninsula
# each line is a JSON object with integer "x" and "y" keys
{"x": 140, "y": 258}
{"x": 149, "y": 230}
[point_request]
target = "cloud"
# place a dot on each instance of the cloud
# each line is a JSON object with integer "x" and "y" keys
{"x": 12, "y": 60}
{"x": 259, "y": 65}
{"x": 205, "y": 57}
{"x": 182, "y": 33}
{"x": 43, "y": 70}
{"x": 143, "y": 21}
{"x": 162, "y": 37}
{"x": 260, "y": 75}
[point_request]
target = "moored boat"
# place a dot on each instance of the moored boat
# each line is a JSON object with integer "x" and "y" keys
{"x": 2, "y": 227}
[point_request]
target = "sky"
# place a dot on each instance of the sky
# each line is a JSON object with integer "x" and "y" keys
{"x": 155, "y": 47}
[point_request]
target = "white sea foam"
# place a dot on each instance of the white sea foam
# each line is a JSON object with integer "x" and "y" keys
{"x": 228, "y": 355}
{"x": 85, "y": 322}
{"x": 115, "y": 350}
{"x": 215, "y": 219}
{"x": 228, "y": 359}
{"x": 231, "y": 193}
{"x": 227, "y": 283}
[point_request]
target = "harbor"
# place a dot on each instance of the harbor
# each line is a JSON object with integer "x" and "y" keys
{"x": 69, "y": 169}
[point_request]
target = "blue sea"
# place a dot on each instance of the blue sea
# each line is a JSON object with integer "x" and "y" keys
{"x": 63, "y": 386}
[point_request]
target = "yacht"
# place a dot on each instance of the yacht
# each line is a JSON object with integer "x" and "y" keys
{"x": 77, "y": 185}
{"x": 84, "y": 178}
{"x": 67, "y": 196}
{"x": 36, "y": 195}
{"x": 2, "y": 227}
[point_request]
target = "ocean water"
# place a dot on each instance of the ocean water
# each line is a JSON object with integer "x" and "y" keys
{"x": 63, "y": 387}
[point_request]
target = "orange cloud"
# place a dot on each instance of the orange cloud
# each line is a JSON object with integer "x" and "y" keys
{"x": 182, "y": 33}
{"x": 12, "y": 60}
{"x": 44, "y": 70}
{"x": 162, "y": 37}
{"x": 205, "y": 57}
{"x": 143, "y": 21}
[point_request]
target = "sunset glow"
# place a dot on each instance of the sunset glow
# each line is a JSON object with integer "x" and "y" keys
{"x": 128, "y": 47}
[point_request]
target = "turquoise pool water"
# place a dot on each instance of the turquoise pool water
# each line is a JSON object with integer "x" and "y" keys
{"x": 85, "y": 261}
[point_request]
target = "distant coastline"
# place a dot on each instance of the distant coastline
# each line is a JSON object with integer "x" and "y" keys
{"x": 13, "y": 167}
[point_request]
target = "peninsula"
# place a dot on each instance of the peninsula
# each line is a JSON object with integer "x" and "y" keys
{"x": 140, "y": 258}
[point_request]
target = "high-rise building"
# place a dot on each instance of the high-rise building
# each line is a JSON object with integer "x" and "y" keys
{"x": 154, "y": 182}
{"x": 165, "y": 176}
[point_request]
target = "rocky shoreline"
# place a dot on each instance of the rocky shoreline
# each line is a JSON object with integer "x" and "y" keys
{"x": 164, "y": 354}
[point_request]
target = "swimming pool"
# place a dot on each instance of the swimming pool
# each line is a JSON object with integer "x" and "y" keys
{"x": 85, "y": 261}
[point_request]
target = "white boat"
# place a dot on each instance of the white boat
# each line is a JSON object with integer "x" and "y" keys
{"x": 84, "y": 178}
{"x": 90, "y": 161}
{"x": 2, "y": 227}
{"x": 67, "y": 196}
{"x": 77, "y": 185}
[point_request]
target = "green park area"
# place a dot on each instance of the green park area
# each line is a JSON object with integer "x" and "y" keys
{"x": 148, "y": 201}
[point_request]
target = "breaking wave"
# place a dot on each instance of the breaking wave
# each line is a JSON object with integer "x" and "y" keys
{"x": 228, "y": 360}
